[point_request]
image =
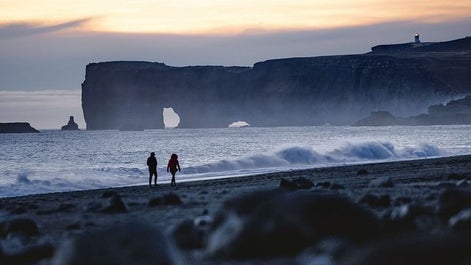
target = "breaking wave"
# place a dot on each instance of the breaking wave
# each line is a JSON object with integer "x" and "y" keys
{"x": 305, "y": 156}
{"x": 283, "y": 158}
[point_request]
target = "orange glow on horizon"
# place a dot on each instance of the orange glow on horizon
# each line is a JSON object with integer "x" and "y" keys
{"x": 228, "y": 16}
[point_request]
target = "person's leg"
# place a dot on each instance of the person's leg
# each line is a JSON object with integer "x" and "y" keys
{"x": 155, "y": 178}
{"x": 150, "y": 178}
{"x": 173, "y": 178}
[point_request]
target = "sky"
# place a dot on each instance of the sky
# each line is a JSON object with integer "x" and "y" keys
{"x": 46, "y": 44}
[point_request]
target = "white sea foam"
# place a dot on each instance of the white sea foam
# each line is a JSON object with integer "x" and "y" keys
{"x": 302, "y": 156}
{"x": 54, "y": 161}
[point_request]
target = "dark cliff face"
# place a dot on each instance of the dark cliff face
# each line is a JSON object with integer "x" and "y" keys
{"x": 454, "y": 112}
{"x": 283, "y": 92}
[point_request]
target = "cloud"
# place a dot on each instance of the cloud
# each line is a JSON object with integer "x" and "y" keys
{"x": 57, "y": 61}
{"x": 26, "y": 29}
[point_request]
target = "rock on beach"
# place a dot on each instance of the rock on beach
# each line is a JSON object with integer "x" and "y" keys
{"x": 282, "y": 223}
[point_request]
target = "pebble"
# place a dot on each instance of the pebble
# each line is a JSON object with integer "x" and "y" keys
{"x": 188, "y": 235}
{"x": 167, "y": 199}
{"x": 296, "y": 183}
{"x": 461, "y": 221}
{"x": 402, "y": 200}
{"x": 336, "y": 186}
{"x": 382, "y": 182}
{"x": 61, "y": 208}
{"x": 405, "y": 217}
{"x": 462, "y": 183}
{"x": 28, "y": 255}
{"x": 452, "y": 201}
{"x": 115, "y": 205}
{"x": 93, "y": 206}
{"x": 24, "y": 226}
{"x": 191, "y": 234}
{"x": 323, "y": 185}
{"x": 109, "y": 194}
{"x": 376, "y": 201}
{"x": 454, "y": 176}
{"x": 410, "y": 211}
{"x": 413, "y": 250}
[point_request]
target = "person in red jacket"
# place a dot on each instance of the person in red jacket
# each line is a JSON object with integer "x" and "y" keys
{"x": 173, "y": 166}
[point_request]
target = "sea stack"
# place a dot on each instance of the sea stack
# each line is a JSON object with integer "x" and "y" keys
{"x": 17, "y": 127}
{"x": 71, "y": 125}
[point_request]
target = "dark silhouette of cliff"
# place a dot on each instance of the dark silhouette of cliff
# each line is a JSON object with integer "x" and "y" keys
{"x": 17, "y": 127}
{"x": 71, "y": 125}
{"x": 281, "y": 92}
{"x": 454, "y": 112}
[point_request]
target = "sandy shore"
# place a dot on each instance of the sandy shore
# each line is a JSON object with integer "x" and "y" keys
{"x": 63, "y": 216}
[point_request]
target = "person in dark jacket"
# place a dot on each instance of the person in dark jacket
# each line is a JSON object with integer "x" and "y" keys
{"x": 152, "y": 164}
{"x": 173, "y": 166}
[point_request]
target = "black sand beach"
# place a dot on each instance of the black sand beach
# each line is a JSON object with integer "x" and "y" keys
{"x": 409, "y": 212}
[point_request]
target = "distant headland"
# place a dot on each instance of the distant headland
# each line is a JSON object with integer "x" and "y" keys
{"x": 17, "y": 127}
{"x": 402, "y": 79}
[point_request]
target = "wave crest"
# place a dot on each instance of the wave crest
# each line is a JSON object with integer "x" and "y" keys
{"x": 296, "y": 156}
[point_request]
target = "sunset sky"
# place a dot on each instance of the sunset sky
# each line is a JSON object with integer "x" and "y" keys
{"x": 226, "y": 17}
{"x": 46, "y": 44}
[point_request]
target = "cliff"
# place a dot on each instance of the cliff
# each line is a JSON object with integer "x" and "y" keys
{"x": 17, "y": 127}
{"x": 454, "y": 112}
{"x": 281, "y": 92}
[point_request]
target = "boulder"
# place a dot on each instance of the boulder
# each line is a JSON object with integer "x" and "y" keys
{"x": 133, "y": 243}
{"x": 281, "y": 223}
{"x": 376, "y": 201}
{"x": 452, "y": 201}
{"x": 115, "y": 205}
{"x": 167, "y": 199}
{"x": 23, "y": 226}
{"x": 296, "y": 183}
{"x": 413, "y": 250}
{"x": 461, "y": 221}
{"x": 381, "y": 182}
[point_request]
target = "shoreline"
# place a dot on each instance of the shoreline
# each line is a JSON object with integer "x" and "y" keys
{"x": 64, "y": 215}
{"x": 255, "y": 176}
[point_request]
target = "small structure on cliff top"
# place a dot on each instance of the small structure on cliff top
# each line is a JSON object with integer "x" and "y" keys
{"x": 71, "y": 125}
{"x": 417, "y": 38}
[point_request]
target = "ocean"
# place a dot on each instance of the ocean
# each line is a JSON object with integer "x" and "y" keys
{"x": 55, "y": 161}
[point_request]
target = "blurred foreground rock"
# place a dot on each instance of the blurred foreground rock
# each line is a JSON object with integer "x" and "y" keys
{"x": 278, "y": 223}
{"x": 130, "y": 244}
